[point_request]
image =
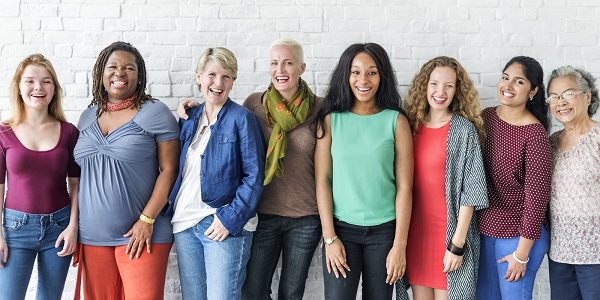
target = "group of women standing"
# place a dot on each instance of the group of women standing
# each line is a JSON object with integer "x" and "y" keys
{"x": 431, "y": 193}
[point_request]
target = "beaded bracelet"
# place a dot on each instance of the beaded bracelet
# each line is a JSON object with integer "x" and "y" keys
{"x": 455, "y": 250}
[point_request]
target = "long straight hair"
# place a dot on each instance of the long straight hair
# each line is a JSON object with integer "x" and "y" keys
{"x": 535, "y": 74}
{"x": 55, "y": 109}
{"x": 339, "y": 96}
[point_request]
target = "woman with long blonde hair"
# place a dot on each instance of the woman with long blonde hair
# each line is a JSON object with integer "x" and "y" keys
{"x": 40, "y": 212}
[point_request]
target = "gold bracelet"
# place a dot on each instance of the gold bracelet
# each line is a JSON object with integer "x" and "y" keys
{"x": 147, "y": 219}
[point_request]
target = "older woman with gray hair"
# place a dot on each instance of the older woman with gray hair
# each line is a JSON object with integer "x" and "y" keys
{"x": 575, "y": 194}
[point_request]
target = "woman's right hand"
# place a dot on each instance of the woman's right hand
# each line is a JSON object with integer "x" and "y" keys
{"x": 335, "y": 258}
{"x": 185, "y": 105}
{"x": 3, "y": 251}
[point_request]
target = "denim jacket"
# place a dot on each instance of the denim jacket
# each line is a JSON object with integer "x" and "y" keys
{"x": 231, "y": 167}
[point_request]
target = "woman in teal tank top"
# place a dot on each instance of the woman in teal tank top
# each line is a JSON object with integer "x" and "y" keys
{"x": 364, "y": 173}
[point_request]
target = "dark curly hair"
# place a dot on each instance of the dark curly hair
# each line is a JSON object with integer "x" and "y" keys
{"x": 339, "y": 96}
{"x": 100, "y": 96}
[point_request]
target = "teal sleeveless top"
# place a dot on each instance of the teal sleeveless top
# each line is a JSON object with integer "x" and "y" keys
{"x": 362, "y": 151}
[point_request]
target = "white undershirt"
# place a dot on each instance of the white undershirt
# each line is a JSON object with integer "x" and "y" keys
{"x": 189, "y": 207}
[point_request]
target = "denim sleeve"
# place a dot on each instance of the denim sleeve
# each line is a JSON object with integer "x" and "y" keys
{"x": 252, "y": 151}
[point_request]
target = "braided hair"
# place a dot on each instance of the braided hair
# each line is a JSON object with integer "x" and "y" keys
{"x": 100, "y": 96}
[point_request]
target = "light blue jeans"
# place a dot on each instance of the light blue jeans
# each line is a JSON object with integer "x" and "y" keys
{"x": 491, "y": 284}
{"x": 209, "y": 269}
{"x": 29, "y": 236}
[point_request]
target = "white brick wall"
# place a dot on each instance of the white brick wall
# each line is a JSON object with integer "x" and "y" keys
{"x": 483, "y": 34}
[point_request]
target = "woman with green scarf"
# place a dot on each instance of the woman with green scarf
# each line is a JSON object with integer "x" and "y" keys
{"x": 287, "y": 212}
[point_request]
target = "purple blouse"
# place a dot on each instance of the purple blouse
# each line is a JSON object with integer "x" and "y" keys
{"x": 518, "y": 164}
{"x": 36, "y": 180}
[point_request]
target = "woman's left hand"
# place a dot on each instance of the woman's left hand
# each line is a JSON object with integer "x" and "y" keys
{"x": 69, "y": 236}
{"x": 451, "y": 262}
{"x": 395, "y": 265}
{"x": 216, "y": 232}
{"x": 515, "y": 269}
{"x": 141, "y": 235}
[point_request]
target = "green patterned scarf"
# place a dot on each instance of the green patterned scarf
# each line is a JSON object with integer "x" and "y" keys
{"x": 283, "y": 117}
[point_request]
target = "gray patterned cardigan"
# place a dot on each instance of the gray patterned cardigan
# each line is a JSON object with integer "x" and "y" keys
{"x": 465, "y": 186}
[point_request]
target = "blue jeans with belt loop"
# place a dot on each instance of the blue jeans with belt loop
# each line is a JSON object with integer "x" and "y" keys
{"x": 29, "y": 236}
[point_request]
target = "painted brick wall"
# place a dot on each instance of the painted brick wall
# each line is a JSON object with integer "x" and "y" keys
{"x": 482, "y": 34}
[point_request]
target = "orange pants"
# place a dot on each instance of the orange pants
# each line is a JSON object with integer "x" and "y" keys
{"x": 108, "y": 273}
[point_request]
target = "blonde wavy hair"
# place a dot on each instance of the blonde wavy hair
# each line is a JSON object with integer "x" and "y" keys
{"x": 465, "y": 103}
{"x": 16, "y": 100}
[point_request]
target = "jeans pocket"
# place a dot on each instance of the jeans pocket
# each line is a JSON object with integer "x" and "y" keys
{"x": 62, "y": 223}
{"x": 11, "y": 224}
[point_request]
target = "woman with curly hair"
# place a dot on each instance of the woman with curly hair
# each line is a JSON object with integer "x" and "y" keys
{"x": 449, "y": 181}
{"x": 363, "y": 171}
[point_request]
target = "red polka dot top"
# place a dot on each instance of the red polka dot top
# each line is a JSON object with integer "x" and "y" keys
{"x": 518, "y": 161}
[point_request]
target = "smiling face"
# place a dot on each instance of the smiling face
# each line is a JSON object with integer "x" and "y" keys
{"x": 441, "y": 88}
{"x": 215, "y": 83}
{"x": 568, "y": 111}
{"x": 514, "y": 89}
{"x": 285, "y": 70}
{"x": 36, "y": 87}
{"x": 120, "y": 76}
{"x": 364, "y": 77}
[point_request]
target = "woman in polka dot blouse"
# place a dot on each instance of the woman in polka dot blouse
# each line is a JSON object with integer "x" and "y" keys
{"x": 517, "y": 159}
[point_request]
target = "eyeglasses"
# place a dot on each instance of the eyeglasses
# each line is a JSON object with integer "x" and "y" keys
{"x": 568, "y": 95}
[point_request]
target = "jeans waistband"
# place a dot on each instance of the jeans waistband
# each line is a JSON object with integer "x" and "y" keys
{"x": 346, "y": 224}
{"x": 26, "y": 217}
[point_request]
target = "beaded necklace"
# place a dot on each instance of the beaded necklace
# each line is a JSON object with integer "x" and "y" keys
{"x": 121, "y": 105}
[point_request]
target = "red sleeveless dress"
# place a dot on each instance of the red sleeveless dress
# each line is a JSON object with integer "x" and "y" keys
{"x": 427, "y": 234}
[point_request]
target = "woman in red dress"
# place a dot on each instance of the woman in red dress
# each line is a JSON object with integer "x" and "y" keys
{"x": 449, "y": 182}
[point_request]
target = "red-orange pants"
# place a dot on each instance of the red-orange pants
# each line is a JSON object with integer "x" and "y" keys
{"x": 109, "y": 273}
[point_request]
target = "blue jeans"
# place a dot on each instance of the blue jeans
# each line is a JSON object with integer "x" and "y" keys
{"x": 209, "y": 269}
{"x": 367, "y": 248}
{"x": 574, "y": 282}
{"x": 29, "y": 236}
{"x": 297, "y": 239}
{"x": 491, "y": 284}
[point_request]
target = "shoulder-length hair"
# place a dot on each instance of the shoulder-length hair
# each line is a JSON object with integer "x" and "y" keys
{"x": 535, "y": 74}
{"x": 16, "y": 100}
{"x": 339, "y": 96}
{"x": 100, "y": 96}
{"x": 465, "y": 103}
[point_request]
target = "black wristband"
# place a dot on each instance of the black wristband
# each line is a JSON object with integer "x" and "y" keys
{"x": 455, "y": 250}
